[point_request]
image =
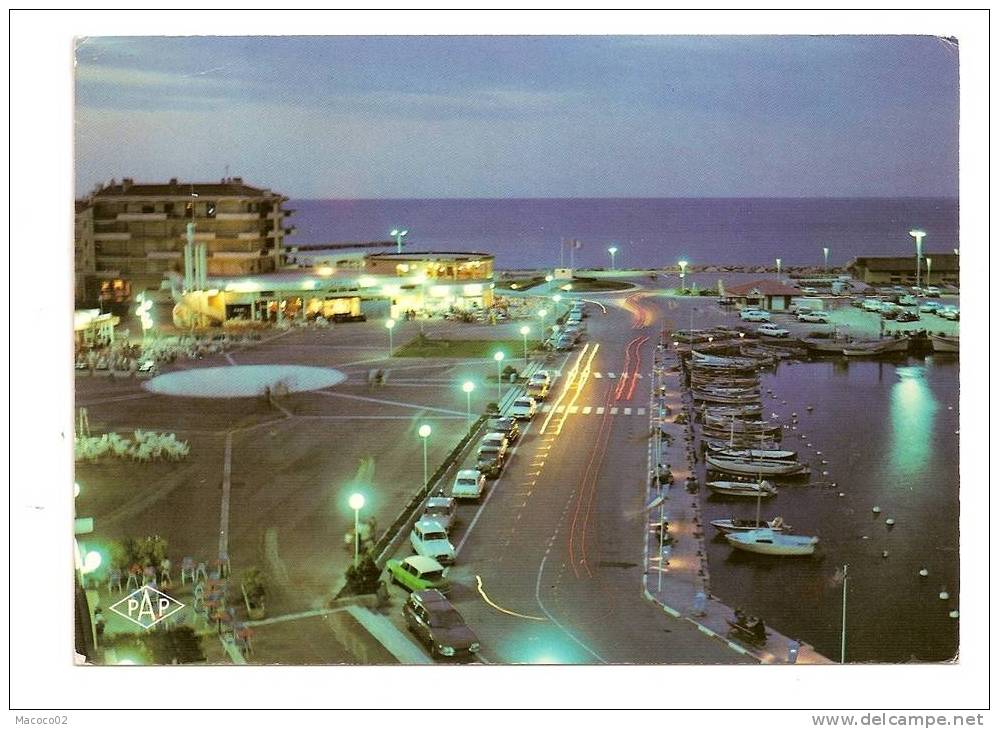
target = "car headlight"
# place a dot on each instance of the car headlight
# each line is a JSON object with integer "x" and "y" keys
{"x": 446, "y": 650}
{"x": 474, "y": 648}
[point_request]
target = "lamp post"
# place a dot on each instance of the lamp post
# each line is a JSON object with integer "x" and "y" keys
{"x": 424, "y": 432}
{"x": 842, "y": 640}
{"x": 390, "y": 325}
{"x": 918, "y": 235}
{"x": 825, "y": 259}
{"x": 356, "y": 503}
{"x": 683, "y": 273}
{"x": 467, "y": 387}
{"x": 778, "y": 267}
{"x": 398, "y": 234}
{"x": 929, "y": 270}
{"x": 524, "y": 331}
{"x": 499, "y": 375}
{"x": 612, "y": 250}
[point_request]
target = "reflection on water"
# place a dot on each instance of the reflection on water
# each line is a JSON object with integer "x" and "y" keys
{"x": 913, "y": 411}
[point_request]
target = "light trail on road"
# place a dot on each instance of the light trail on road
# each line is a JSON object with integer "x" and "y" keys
{"x": 490, "y": 603}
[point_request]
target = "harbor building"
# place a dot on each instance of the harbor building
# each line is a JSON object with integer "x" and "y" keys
{"x": 765, "y": 294}
{"x": 343, "y": 288}
{"x": 130, "y": 235}
{"x": 935, "y": 269}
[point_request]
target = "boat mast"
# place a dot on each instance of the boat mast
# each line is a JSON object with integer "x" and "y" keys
{"x": 842, "y": 644}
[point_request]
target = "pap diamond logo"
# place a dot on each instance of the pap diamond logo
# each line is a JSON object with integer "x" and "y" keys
{"x": 147, "y": 606}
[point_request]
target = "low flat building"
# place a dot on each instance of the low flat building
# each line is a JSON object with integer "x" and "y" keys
{"x": 935, "y": 269}
{"x": 766, "y": 294}
{"x": 374, "y": 285}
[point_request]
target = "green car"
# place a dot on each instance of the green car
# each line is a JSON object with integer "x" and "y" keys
{"x": 418, "y": 573}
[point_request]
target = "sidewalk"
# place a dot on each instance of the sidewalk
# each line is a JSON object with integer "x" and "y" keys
{"x": 682, "y": 584}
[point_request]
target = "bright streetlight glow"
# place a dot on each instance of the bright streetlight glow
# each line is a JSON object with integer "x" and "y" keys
{"x": 76, "y": 489}
{"x": 918, "y": 235}
{"x": 683, "y": 272}
{"x": 778, "y": 265}
{"x": 557, "y": 298}
{"x": 825, "y": 259}
{"x": 424, "y": 432}
{"x": 612, "y": 250}
{"x": 929, "y": 270}
{"x": 390, "y": 325}
{"x": 549, "y": 278}
{"x": 543, "y": 313}
{"x": 525, "y": 330}
{"x": 356, "y": 502}
{"x": 91, "y": 562}
{"x": 398, "y": 235}
{"x": 468, "y": 386}
{"x": 567, "y": 287}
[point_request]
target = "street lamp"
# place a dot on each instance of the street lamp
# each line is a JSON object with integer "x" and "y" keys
{"x": 468, "y": 386}
{"x": 398, "y": 234}
{"x": 424, "y": 432}
{"x": 918, "y": 235}
{"x": 778, "y": 267}
{"x": 524, "y": 331}
{"x": 929, "y": 270}
{"x": 612, "y": 250}
{"x": 356, "y": 502}
{"x": 145, "y": 319}
{"x": 683, "y": 273}
{"x": 549, "y": 278}
{"x": 825, "y": 259}
{"x": 390, "y": 325}
{"x": 499, "y": 375}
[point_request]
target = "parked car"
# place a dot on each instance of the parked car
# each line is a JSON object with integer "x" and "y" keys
{"x": 908, "y": 300}
{"x": 488, "y": 461}
{"x": 907, "y": 315}
{"x": 754, "y": 315}
{"x": 436, "y": 623}
{"x": 815, "y": 317}
{"x": 565, "y": 342}
{"x": 468, "y": 484}
{"x": 889, "y": 310}
{"x": 506, "y": 425}
{"x": 872, "y": 305}
{"x": 537, "y": 390}
{"x": 418, "y": 573}
{"x": 524, "y": 408}
{"x": 930, "y": 307}
{"x": 949, "y": 312}
{"x": 441, "y": 509}
{"x": 933, "y": 291}
{"x": 542, "y": 376}
{"x": 429, "y": 539}
{"x": 498, "y": 440}
{"x": 772, "y": 330}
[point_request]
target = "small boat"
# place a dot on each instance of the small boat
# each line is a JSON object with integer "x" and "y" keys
{"x": 728, "y": 526}
{"x": 945, "y": 344}
{"x": 738, "y": 443}
{"x": 704, "y": 396}
{"x": 746, "y": 467}
{"x": 769, "y": 541}
{"x": 728, "y": 412}
{"x": 741, "y": 426}
{"x": 742, "y": 489}
{"x": 876, "y": 348}
{"x": 825, "y": 345}
{"x": 761, "y": 454}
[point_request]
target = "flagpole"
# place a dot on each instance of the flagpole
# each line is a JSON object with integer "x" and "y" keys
{"x": 561, "y": 253}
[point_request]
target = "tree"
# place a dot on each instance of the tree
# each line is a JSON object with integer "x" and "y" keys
{"x": 365, "y": 578}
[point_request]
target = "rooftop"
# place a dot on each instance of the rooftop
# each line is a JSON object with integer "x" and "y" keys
{"x": 226, "y": 187}
{"x": 942, "y": 262}
{"x": 433, "y": 255}
{"x": 763, "y": 287}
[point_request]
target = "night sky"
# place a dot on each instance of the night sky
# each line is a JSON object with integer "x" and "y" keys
{"x": 549, "y": 116}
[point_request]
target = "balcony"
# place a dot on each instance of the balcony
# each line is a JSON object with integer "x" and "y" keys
{"x": 112, "y": 236}
{"x": 204, "y": 235}
{"x": 237, "y": 216}
{"x": 136, "y": 217}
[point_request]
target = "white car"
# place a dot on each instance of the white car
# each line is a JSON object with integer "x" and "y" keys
{"x": 429, "y": 539}
{"x": 908, "y": 300}
{"x": 929, "y": 307}
{"x": 815, "y": 317}
{"x": 542, "y": 376}
{"x": 468, "y": 484}
{"x": 754, "y": 315}
{"x": 441, "y": 509}
{"x": 949, "y": 312}
{"x": 933, "y": 291}
{"x": 496, "y": 440}
{"x": 524, "y": 408}
{"x": 772, "y": 330}
{"x": 872, "y": 305}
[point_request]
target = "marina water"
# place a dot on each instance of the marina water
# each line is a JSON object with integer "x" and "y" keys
{"x": 888, "y": 431}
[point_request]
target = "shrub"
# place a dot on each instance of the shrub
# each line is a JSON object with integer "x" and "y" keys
{"x": 365, "y": 578}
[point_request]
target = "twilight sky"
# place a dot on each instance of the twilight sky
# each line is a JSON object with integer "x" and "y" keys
{"x": 508, "y": 116}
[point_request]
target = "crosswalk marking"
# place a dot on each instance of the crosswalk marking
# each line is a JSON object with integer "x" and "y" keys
{"x": 611, "y": 375}
{"x": 560, "y": 409}
{"x": 586, "y": 410}
{"x": 600, "y": 411}
{"x": 641, "y": 411}
{"x": 597, "y": 375}
{"x": 591, "y": 410}
{"x": 546, "y": 408}
{"x": 573, "y": 409}
{"x": 613, "y": 411}
{"x": 627, "y": 411}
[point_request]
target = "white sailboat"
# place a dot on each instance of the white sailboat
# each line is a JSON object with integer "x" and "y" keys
{"x": 772, "y": 542}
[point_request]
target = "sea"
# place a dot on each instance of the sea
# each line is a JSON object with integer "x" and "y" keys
{"x": 648, "y": 232}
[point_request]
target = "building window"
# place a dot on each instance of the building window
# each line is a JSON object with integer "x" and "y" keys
{"x": 189, "y": 210}
{"x": 168, "y": 208}
{"x": 149, "y": 208}
{"x": 210, "y": 207}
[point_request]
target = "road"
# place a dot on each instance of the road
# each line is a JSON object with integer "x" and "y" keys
{"x": 551, "y": 569}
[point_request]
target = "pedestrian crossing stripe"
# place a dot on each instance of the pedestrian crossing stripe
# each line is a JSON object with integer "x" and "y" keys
{"x": 627, "y": 411}
{"x": 611, "y": 375}
{"x": 600, "y": 411}
{"x": 597, "y": 375}
{"x": 589, "y": 409}
{"x": 641, "y": 411}
{"x": 613, "y": 411}
{"x": 573, "y": 409}
{"x": 586, "y": 410}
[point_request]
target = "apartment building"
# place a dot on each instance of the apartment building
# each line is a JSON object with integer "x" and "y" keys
{"x": 131, "y": 235}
